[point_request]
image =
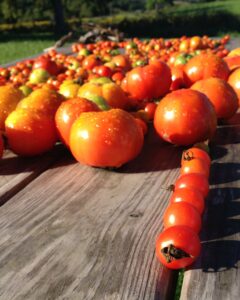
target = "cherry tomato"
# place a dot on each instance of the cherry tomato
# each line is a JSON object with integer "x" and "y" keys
{"x": 178, "y": 247}
{"x": 189, "y": 195}
{"x": 195, "y": 152}
{"x": 193, "y": 180}
{"x": 196, "y": 165}
{"x": 182, "y": 213}
{"x": 150, "y": 109}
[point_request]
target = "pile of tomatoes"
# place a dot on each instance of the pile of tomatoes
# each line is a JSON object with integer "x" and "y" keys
{"x": 100, "y": 100}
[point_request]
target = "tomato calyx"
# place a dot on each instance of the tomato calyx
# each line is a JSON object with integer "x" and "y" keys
{"x": 188, "y": 155}
{"x": 173, "y": 253}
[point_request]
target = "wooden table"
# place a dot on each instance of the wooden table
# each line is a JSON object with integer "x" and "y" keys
{"x": 69, "y": 231}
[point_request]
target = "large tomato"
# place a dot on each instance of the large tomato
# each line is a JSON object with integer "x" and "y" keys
{"x": 29, "y": 132}
{"x": 68, "y": 112}
{"x": 185, "y": 117}
{"x": 105, "y": 139}
{"x": 178, "y": 247}
{"x": 221, "y": 94}
{"x": 148, "y": 82}
{"x": 204, "y": 66}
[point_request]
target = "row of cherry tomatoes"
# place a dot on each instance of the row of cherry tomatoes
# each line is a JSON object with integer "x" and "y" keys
{"x": 178, "y": 246}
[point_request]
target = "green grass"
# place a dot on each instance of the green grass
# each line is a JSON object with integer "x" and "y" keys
{"x": 16, "y": 49}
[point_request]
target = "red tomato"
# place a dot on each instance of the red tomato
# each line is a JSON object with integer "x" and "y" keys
{"x": 195, "y": 152}
{"x": 150, "y": 109}
{"x": 178, "y": 247}
{"x": 47, "y": 64}
{"x": 148, "y": 82}
{"x": 195, "y": 165}
{"x": 68, "y": 112}
{"x": 189, "y": 195}
{"x": 106, "y": 139}
{"x": 29, "y": 132}
{"x": 182, "y": 213}
{"x": 204, "y": 66}
{"x": 185, "y": 117}
{"x": 90, "y": 62}
{"x": 102, "y": 71}
{"x": 195, "y": 181}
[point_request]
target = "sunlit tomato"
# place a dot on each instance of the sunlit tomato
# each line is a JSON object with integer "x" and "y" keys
{"x": 122, "y": 62}
{"x": 150, "y": 109}
{"x": 47, "y": 64}
{"x": 68, "y": 112}
{"x": 9, "y": 98}
{"x": 221, "y": 94}
{"x": 195, "y": 165}
{"x": 195, "y": 181}
{"x": 178, "y": 247}
{"x": 117, "y": 77}
{"x": 193, "y": 153}
{"x": 1, "y": 146}
{"x": 195, "y": 43}
{"x": 90, "y": 62}
{"x": 204, "y": 66}
{"x": 29, "y": 132}
{"x": 234, "y": 81}
{"x": 43, "y": 100}
{"x": 185, "y": 117}
{"x": 102, "y": 71}
{"x": 182, "y": 213}
{"x": 106, "y": 139}
{"x": 189, "y": 195}
{"x": 178, "y": 77}
{"x": 148, "y": 82}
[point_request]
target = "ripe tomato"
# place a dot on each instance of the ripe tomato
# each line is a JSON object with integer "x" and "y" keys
{"x": 196, "y": 165}
{"x": 204, "y": 66}
{"x": 47, "y": 64}
{"x": 1, "y": 146}
{"x": 43, "y": 100}
{"x": 195, "y": 181}
{"x": 150, "y": 109}
{"x": 68, "y": 112}
{"x": 182, "y": 213}
{"x": 221, "y": 94}
{"x": 195, "y": 152}
{"x": 102, "y": 71}
{"x": 185, "y": 117}
{"x": 29, "y": 132}
{"x": 178, "y": 247}
{"x": 189, "y": 195}
{"x": 234, "y": 81}
{"x": 90, "y": 62}
{"x": 148, "y": 82}
{"x": 105, "y": 139}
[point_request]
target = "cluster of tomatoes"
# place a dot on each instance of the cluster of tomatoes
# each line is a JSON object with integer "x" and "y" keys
{"x": 178, "y": 245}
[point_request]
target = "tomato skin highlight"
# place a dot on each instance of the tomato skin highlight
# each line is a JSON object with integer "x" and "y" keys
{"x": 182, "y": 213}
{"x": 183, "y": 238}
{"x": 195, "y": 152}
{"x": 189, "y": 195}
{"x": 193, "y": 180}
{"x": 196, "y": 165}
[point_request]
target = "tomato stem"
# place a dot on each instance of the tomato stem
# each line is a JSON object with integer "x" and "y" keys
{"x": 171, "y": 252}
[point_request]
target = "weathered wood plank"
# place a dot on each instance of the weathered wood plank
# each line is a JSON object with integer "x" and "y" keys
{"x": 216, "y": 275}
{"x": 77, "y": 232}
{"x": 16, "y": 172}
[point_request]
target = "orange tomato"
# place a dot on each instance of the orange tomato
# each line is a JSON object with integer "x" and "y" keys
{"x": 206, "y": 65}
{"x": 193, "y": 153}
{"x": 234, "y": 81}
{"x": 185, "y": 117}
{"x": 68, "y": 112}
{"x": 195, "y": 165}
{"x": 29, "y": 132}
{"x": 221, "y": 94}
{"x": 105, "y": 139}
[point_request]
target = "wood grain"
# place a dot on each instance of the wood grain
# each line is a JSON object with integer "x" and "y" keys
{"x": 16, "y": 172}
{"x": 216, "y": 275}
{"x": 77, "y": 232}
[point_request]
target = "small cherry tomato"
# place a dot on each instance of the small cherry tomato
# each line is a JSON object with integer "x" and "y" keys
{"x": 195, "y": 165}
{"x": 178, "y": 247}
{"x": 150, "y": 109}
{"x": 195, "y": 152}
